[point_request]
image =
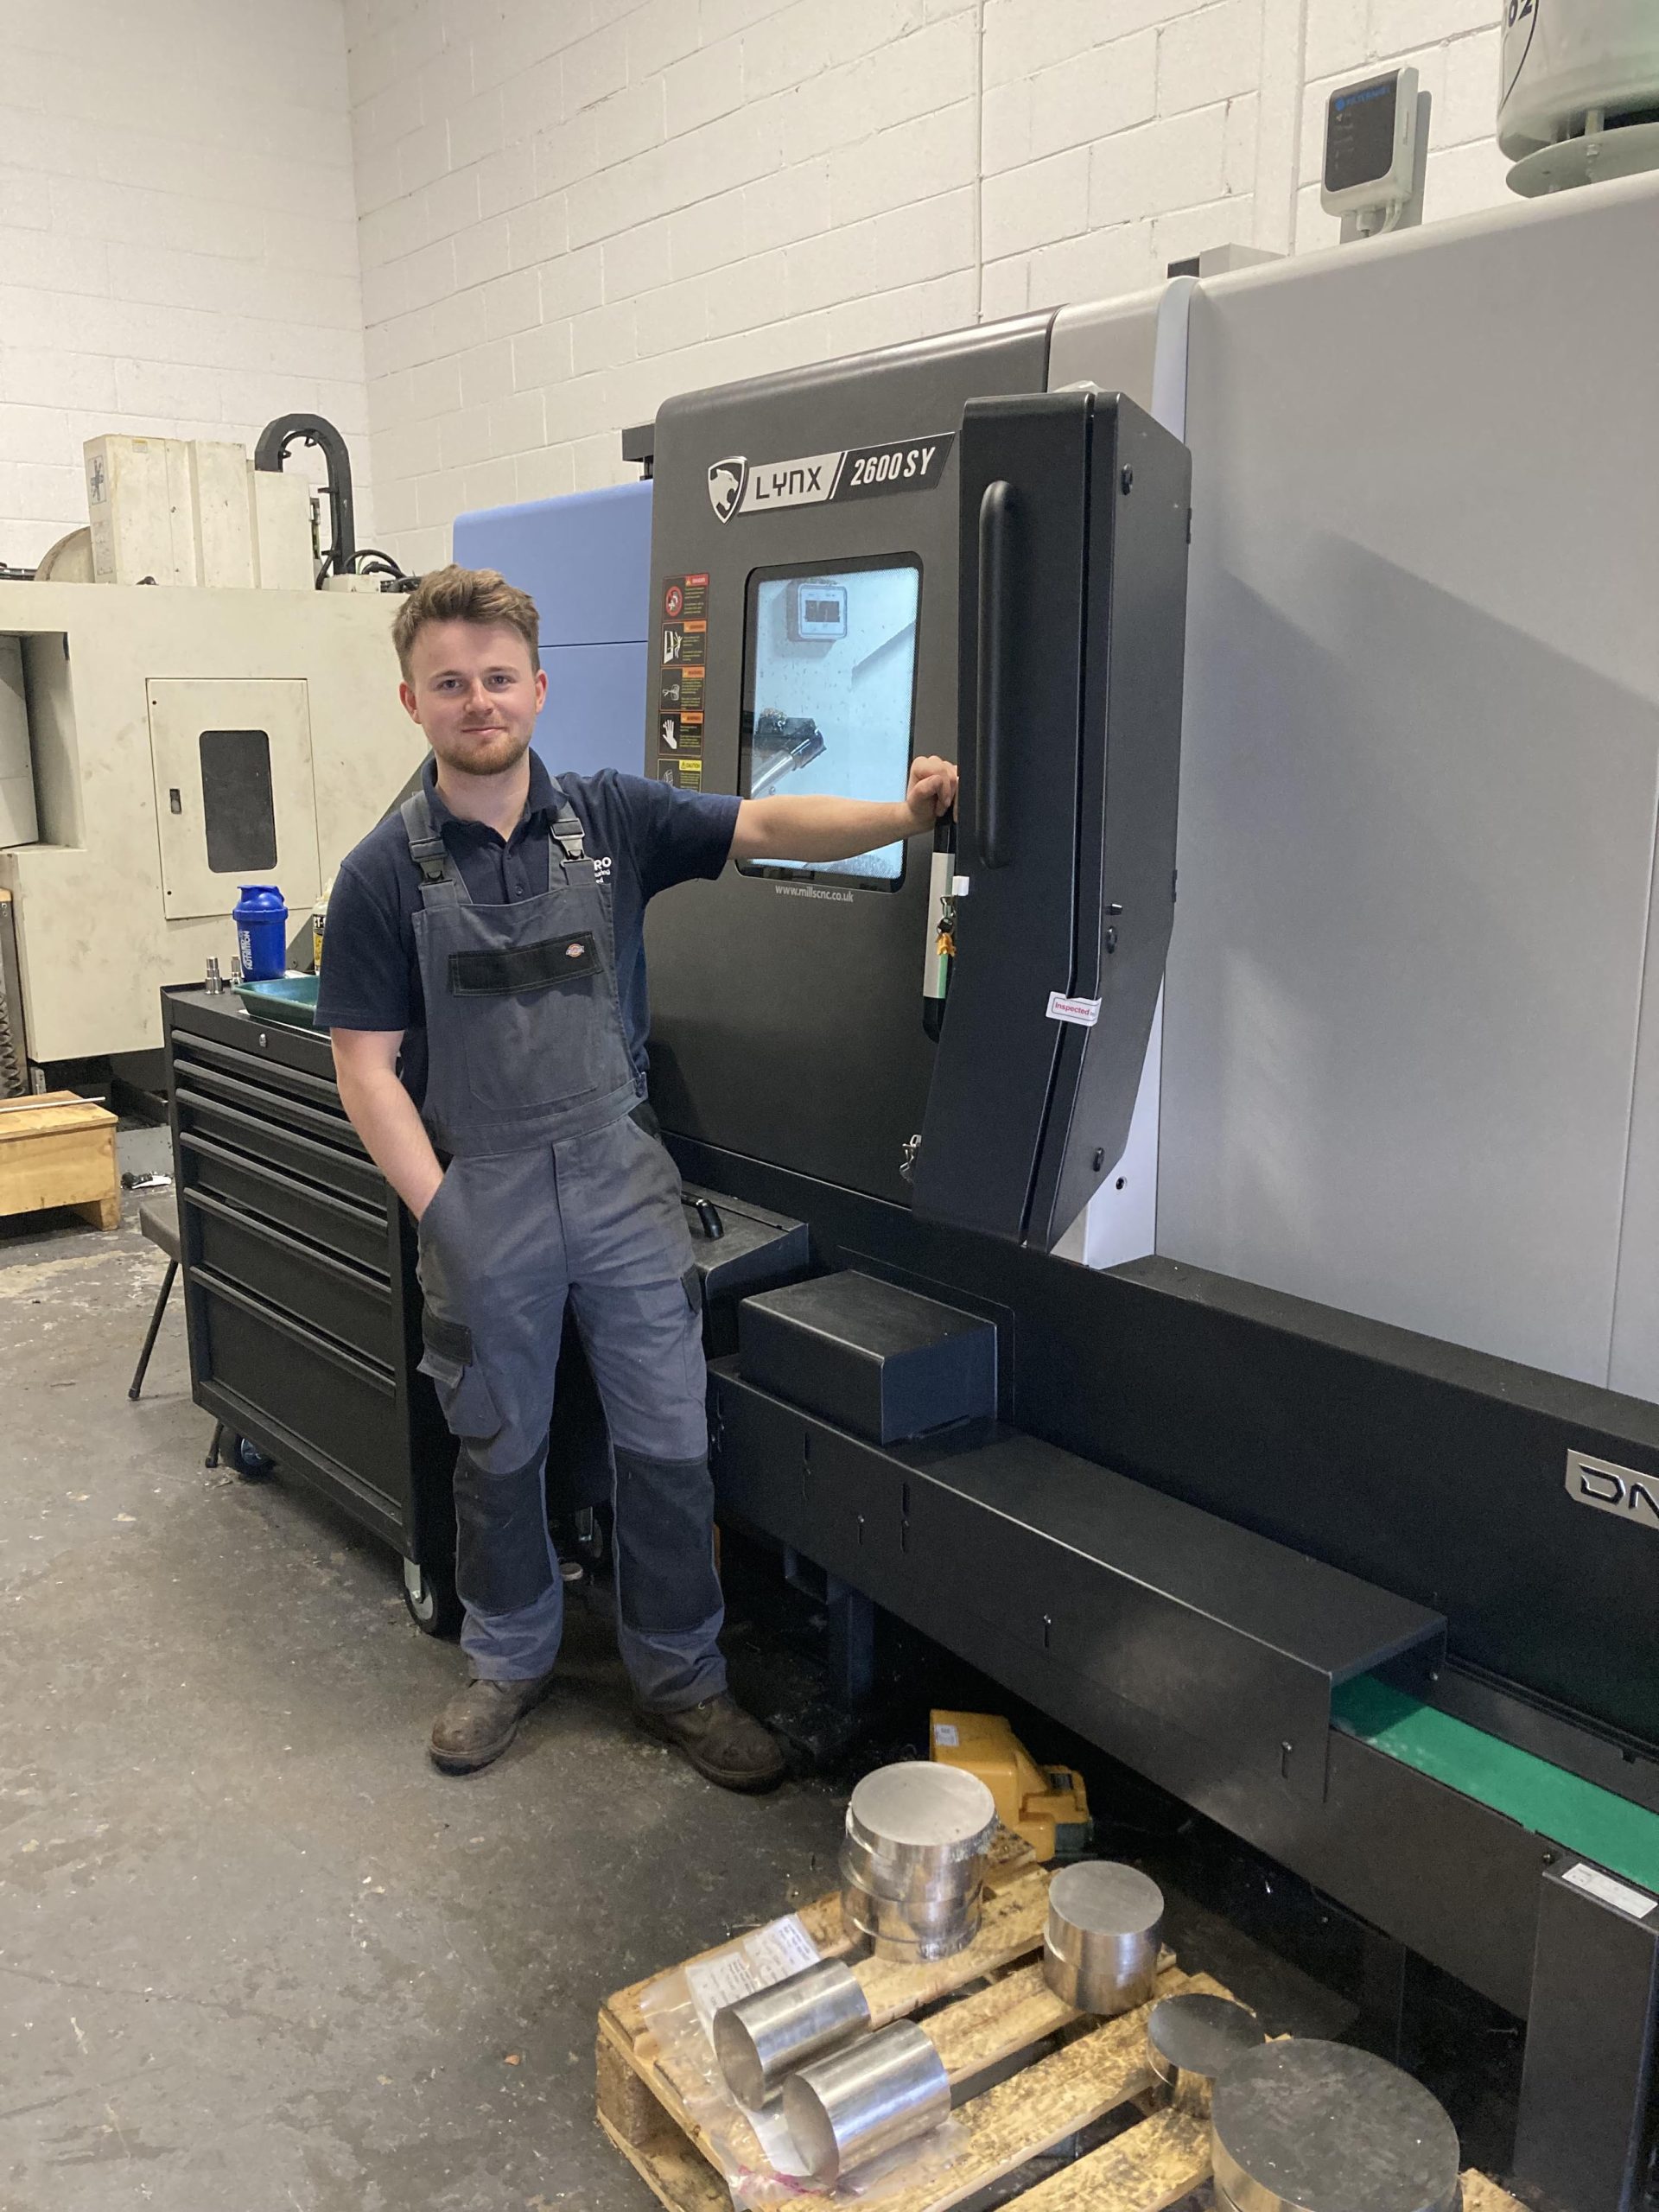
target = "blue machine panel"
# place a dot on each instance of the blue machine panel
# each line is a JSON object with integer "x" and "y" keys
{"x": 596, "y": 712}
{"x": 585, "y": 560}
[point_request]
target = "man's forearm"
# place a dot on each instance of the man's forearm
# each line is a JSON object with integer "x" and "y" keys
{"x": 815, "y": 827}
{"x": 384, "y": 1117}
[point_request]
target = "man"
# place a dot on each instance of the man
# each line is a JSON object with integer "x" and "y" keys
{"x": 484, "y": 987}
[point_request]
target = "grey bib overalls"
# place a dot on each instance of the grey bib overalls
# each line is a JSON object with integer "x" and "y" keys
{"x": 554, "y": 1192}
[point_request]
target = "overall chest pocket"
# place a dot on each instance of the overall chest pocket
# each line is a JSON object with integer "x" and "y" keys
{"x": 538, "y": 1022}
{"x": 507, "y": 971}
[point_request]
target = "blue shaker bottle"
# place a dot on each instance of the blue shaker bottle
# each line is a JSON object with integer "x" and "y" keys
{"x": 261, "y": 919}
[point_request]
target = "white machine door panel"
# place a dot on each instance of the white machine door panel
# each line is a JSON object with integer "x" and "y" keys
{"x": 234, "y": 799}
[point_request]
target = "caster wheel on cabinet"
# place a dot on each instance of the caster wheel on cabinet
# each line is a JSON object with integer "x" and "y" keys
{"x": 429, "y": 1594}
{"x": 248, "y": 1461}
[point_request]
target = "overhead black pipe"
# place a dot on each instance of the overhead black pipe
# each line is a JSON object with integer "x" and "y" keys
{"x": 316, "y": 430}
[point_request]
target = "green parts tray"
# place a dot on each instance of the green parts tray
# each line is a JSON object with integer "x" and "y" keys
{"x": 1592, "y": 1822}
{"x": 292, "y": 999}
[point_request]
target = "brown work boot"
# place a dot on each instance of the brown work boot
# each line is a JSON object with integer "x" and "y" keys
{"x": 726, "y": 1744}
{"x": 480, "y": 1721}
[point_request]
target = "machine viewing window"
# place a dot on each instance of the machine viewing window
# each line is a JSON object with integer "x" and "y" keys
{"x": 829, "y": 697}
{"x": 237, "y": 808}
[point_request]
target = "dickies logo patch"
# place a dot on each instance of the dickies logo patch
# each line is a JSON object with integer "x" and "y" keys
{"x": 574, "y": 951}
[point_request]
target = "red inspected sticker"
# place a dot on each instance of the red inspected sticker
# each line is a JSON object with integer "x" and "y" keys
{"x": 1085, "y": 1013}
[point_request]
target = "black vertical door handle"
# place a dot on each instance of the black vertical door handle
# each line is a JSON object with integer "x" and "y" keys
{"x": 991, "y": 738}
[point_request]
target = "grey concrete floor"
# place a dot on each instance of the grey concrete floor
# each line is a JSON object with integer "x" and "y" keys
{"x": 256, "y": 1956}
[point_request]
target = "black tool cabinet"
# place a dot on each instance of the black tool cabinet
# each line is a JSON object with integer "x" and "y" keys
{"x": 304, "y": 1311}
{"x": 300, "y": 1299}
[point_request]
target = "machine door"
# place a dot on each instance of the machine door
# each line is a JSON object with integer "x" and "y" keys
{"x": 234, "y": 800}
{"x": 1073, "y": 565}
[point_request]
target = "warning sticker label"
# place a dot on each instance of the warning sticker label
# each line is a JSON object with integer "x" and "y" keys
{"x": 684, "y": 605}
{"x": 685, "y": 598}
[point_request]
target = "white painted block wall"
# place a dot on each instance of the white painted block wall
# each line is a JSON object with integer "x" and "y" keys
{"x": 178, "y": 247}
{"x": 571, "y": 208}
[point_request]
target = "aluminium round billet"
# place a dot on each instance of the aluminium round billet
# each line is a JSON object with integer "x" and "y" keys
{"x": 883, "y": 1925}
{"x": 1192, "y": 2038}
{"x": 882, "y": 2091}
{"x": 764, "y": 2036}
{"x": 922, "y": 1950}
{"x": 918, "y": 1909}
{"x": 1310, "y": 2126}
{"x": 857, "y": 1918}
{"x": 905, "y": 1880}
{"x": 918, "y": 1817}
{"x": 1100, "y": 1947}
{"x": 875, "y": 1916}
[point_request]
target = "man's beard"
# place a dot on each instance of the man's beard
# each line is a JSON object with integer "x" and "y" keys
{"x": 494, "y": 762}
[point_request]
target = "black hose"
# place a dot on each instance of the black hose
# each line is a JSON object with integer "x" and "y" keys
{"x": 316, "y": 430}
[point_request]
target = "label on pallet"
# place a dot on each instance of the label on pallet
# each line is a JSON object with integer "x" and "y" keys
{"x": 1606, "y": 1890}
{"x": 765, "y": 1955}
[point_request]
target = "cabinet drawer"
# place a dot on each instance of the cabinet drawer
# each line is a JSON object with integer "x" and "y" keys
{"x": 323, "y": 1293}
{"x": 352, "y": 1175}
{"x": 350, "y": 1231}
{"x": 253, "y": 1066}
{"x": 343, "y": 1413}
{"x": 267, "y": 1105}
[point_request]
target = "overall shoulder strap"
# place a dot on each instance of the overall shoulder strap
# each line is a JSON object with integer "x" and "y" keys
{"x": 426, "y": 846}
{"x": 565, "y": 831}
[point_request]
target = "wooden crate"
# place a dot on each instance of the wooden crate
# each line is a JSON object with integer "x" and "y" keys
{"x": 1098, "y": 2068}
{"x": 59, "y": 1150}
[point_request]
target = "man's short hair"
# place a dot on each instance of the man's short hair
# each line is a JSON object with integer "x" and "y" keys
{"x": 456, "y": 595}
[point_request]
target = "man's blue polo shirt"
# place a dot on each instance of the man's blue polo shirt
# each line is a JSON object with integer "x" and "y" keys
{"x": 653, "y": 834}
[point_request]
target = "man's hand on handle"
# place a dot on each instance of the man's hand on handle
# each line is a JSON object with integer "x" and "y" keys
{"x": 932, "y": 791}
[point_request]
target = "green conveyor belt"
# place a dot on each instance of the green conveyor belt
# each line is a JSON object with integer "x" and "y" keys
{"x": 1592, "y": 1822}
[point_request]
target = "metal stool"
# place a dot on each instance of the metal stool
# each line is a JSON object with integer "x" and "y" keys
{"x": 158, "y": 1217}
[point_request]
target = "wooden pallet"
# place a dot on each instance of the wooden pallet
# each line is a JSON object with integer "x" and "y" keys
{"x": 59, "y": 1150}
{"x": 1098, "y": 2068}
